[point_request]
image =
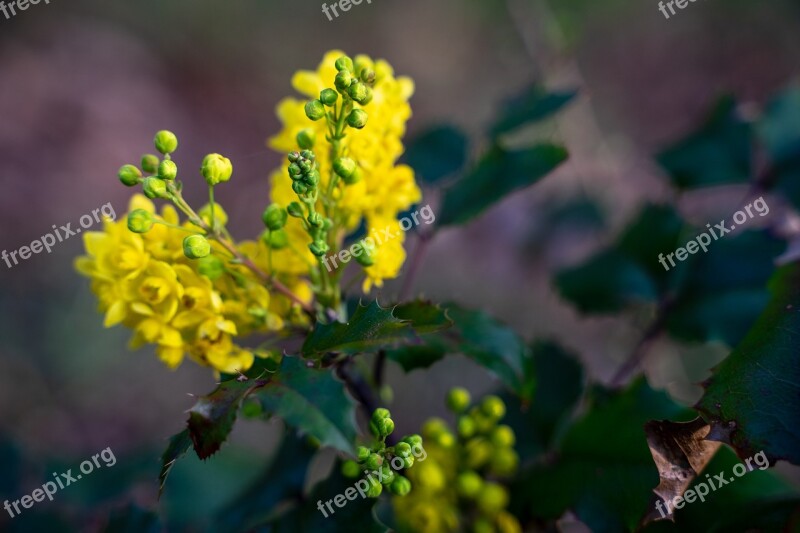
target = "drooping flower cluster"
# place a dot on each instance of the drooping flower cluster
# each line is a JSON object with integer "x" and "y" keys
{"x": 462, "y": 472}
{"x": 357, "y": 145}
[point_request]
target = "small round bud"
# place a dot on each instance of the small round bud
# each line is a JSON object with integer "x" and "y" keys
{"x": 493, "y": 407}
{"x": 492, "y": 498}
{"x": 196, "y": 247}
{"x": 150, "y": 163}
{"x": 294, "y": 156}
{"x": 363, "y": 62}
{"x": 402, "y": 449}
{"x": 375, "y": 490}
{"x": 299, "y": 187}
{"x": 344, "y": 63}
{"x": 275, "y": 217}
{"x": 295, "y": 171}
{"x": 413, "y": 440}
{"x": 315, "y": 110}
{"x": 504, "y": 462}
{"x": 362, "y": 453}
{"x": 343, "y": 80}
{"x": 312, "y": 178}
{"x": 445, "y": 440}
{"x": 165, "y": 142}
{"x": 277, "y": 240}
{"x": 434, "y": 427}
{"x": 328, "y": 97}
{"x": 465, "y": 426}
{"x": 367, "y": 256}
{"x": 306, "y": 138}
{"x": 140, "y": 221}
{"x": 315, "y": 219}
{"x": 357, "y": 91}
{"x": 374, "y": 461}
{"x": 400, "y": 486}
{"x": 408, "y": 462}
{"x": 478, "y": 453}
{"x": 380, "y": 413}
{"x": 368, "y": 75}
{"x": 503, "y": 437}
{"x": 355, "y": 177}
{"x": 458, "y": 399}
{"x": 357, "y": 119}
{"x": 211, "y": 267}
{"x": 155, "y": 188}
{"x": 307, "y": 154}
{"x": 367, "y": 97}
{"x": 469, "y": 484}
{"x": 344, "y": 167}
{"x": 350, "y": 469}
{"x": 387, "y": 473}
{"x": 295, "y": 209}
{"x": 219, "y": 214}
{"x": 129, "y": 175}
{"x": 216, "y": 169}
{"x": 318, "y": 247}
{"x": 167, "y": 170}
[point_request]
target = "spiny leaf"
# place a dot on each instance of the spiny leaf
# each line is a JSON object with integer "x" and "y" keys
{"x": 437, "y": 153}
{"x": 178, "y": 446}
{"x": 532, "y": 105}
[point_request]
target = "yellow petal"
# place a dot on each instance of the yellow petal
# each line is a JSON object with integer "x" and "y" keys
{"x": 115, "y": 314}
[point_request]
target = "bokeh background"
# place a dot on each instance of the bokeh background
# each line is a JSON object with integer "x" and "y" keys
{"x": 84, "y": 85}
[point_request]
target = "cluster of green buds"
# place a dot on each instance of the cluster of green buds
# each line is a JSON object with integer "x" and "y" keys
{"x": 158, "y": 178}
{"x": 387, "y": 460}
{"x": 305, "y": 183}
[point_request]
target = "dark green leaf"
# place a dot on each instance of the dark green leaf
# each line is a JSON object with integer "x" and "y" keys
{"x": 718, "y": 153}
{"x": 282, "y": 480}
{"x": 372, "y": 327}
{"x": 499, "y": 173}
{"x": 532, "y": 105}
{"x": 211, "y": 418}
{"x": 178, "y": 446}
{"x": 751, "y": 398}
{"x": 313, "y": 401}
{"x": 133, "y": 519}
{"x": 779, "y": 127}
{"x": 437, "y": 153}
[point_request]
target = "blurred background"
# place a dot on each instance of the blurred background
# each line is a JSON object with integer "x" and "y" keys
{"x": 84, "y": 86}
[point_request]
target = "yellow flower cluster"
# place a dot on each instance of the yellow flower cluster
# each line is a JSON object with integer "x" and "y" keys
{"x": 454, "y": 476}
{"x": 386, "y": 188}
{"x": 145, "y": 282}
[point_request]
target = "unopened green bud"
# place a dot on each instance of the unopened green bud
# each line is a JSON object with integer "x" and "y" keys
{"x": 315, "y": 219}
{"x": 318, "y": 247}
{"x": 465, "y": 426}
{"x": 294, "y": 156}
{"x": 478, "y": 453}
{"x": 413, "y": 440}
{"x": 386, "y": 426}
{"x": 408, "y": 462}
{"x": 343, "y": 80}
{"x": 129, "y": 175}
{"x": 492, "y": 498}
{"x": 357, "y": 91}
{"x": 357, "y": 119}
{"x": 150, "y": 163}
{"x": 445, "y": 439}
{"x": 375, "y": 490}
{"x": 277, "y": 240}
{"x": 328, "y": 97}
{"x": 166, "y": 142}
{"x": 275, "y": 217}
{"x": 312, "y": 178}
{"x": 211, "y": 267}
{"x": 368, "y": 75}
{"x": 216, "y": 169}
{"x": 504, "y": 462}
{"x": 307, "y": 154}
{"x": 295, "y": 209}
{"x": 503, "y": 436}
{"x": 305, "y": 165}
{"x": 363, "y": 62}
{"x": 387, "y": 474}
{"x": 354, "y": 178}
{"x": 306, "y": 138}
{"x": 367, "y": 97}
{"x": 469, "y": 484}
{"x": 295, "y": 171}
{"x": 458, "y": 399}
{"x": 196, "y": 247}
{"x": 380, "y": 413}
{"x": 402, "y": 449}
{"x": 344, "y": 167}
{"x": 362, "y": 453}
{"x": 155, "y": 188}
{"x": 140, "y": 221}
{"x": 315, "y": 110}
{"x": 350, "y": 469}
{"x": 167, "y": 170}
{"x": 367, "y": 256}
{"x": 374, "y": 461}
{"x": 299, "y": 187}
{"x": 344, "y": 63}
{"x": 400, "y": 486}
{"x": 493, "y": 407}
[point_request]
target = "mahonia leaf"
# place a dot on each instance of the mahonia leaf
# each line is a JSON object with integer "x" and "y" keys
{"x": 718, "y": 153}
{"x": 780, "y": 134}
{"x": 532, "y": 105}
{"x": 373, "y": 327}
{"x": 498, "y": 173}
{"x": 750, "y": 401}
{"x": 133, "y": 519}
{"x": 282, "y": 480}
{"x": 178, "y": 446}
{"x": 312, "y": 401}
{"x": 437, "y": 153}
{"x": 211, "y": 419}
